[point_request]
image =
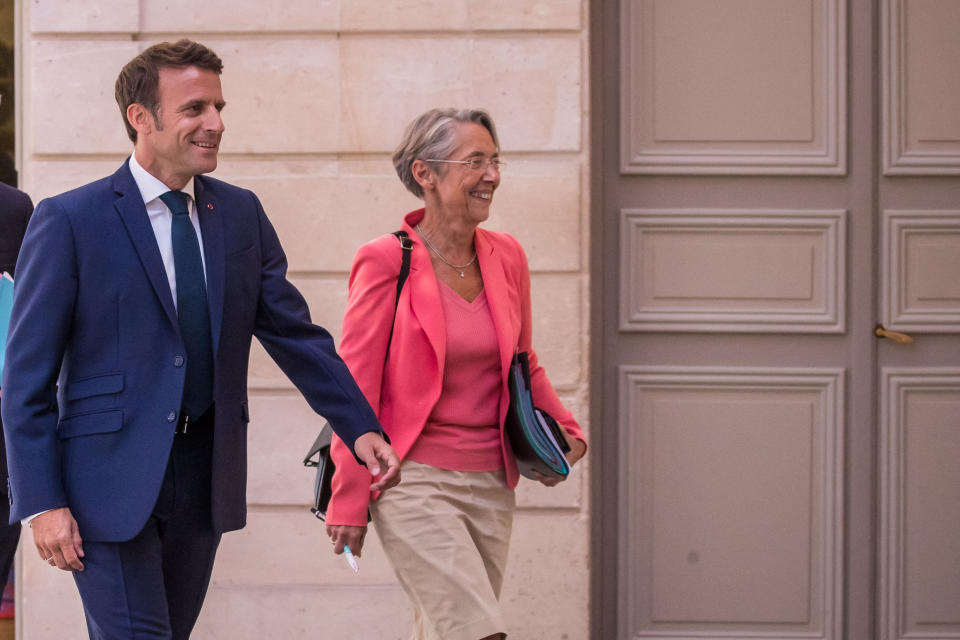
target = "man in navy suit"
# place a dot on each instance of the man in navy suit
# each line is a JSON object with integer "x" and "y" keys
{"x": 15, "y": 210}
{"x": 125, "y": 386}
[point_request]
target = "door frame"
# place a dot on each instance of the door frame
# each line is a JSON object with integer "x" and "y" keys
{"x": 604, "y": 488}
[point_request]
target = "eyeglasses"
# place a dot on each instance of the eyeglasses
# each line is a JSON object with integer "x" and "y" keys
{"x": 477, "y": 164}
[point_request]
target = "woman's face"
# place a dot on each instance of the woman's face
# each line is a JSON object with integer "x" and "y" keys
{"x": 465, "y": 190}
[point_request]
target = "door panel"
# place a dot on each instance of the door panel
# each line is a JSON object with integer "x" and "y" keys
{"x": 921, "y": 97}
{"x": 747, "y": 270}
{"x": 723, "y": 540}
{"x": 733, "y": 86}
{"x": 920, "y": 510}
{"x": 920, "y": 274}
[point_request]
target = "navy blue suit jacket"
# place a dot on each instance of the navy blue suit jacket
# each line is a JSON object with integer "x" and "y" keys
{"x": 93, "y": 312}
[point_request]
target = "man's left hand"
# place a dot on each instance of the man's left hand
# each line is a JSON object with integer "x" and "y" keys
{"x": 378, "y": 455}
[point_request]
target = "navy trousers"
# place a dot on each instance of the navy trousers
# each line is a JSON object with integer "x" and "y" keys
{"x": 152, "y": 587}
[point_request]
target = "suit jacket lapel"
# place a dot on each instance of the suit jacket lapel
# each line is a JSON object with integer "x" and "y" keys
{"x": 211, "y": 227}
{"x": 132, "y": 212}
{"x": 498, "y": 298}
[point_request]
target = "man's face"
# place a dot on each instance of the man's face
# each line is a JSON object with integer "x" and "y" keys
{"x": 185, "y": 139}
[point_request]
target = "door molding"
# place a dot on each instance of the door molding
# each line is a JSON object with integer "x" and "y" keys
{"x": 776, "y": 105}
{"x": 733, "y": 270}
{"x": 905, "y": 569}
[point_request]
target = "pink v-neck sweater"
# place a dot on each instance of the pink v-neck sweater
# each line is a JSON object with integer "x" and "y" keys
{"x": 463, "y": 432}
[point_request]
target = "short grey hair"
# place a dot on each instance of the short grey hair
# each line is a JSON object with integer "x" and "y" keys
{"x": 433, "y": 135}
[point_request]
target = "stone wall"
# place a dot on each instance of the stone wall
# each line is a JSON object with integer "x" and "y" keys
{"x": 318, "y": 93}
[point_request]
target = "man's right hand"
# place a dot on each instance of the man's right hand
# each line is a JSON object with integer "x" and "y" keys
{"x": 381, "y": 460}
{"x": 57, "y": 539}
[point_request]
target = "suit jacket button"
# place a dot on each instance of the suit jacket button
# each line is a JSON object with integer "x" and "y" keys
{"x": 172, "y": 416}
{"x": 178, "y": 361}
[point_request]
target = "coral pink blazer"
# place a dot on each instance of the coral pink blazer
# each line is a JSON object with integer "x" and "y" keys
{"x": 404, "y": 391}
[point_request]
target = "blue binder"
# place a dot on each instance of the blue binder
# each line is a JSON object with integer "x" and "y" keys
{"x": 536, "y": 438}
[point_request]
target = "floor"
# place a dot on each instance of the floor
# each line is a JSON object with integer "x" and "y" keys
{"x": 7, "y": 629}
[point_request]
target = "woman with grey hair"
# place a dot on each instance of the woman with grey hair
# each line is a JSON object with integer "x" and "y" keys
{"x": 435, "y": 370}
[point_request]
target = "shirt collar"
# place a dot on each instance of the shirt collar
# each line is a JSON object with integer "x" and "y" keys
{"x": 150, "y": 186}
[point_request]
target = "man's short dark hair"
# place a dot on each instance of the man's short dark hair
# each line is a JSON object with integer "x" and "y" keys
{"x": 139, "y": 80}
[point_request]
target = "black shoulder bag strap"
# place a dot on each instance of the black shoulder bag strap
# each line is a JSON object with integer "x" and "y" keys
{"x": 406, "y": 248}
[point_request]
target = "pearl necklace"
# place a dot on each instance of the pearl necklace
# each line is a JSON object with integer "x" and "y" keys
{"x": 460, "y": 268}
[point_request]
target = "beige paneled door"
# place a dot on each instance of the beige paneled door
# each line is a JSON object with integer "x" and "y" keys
{"x": 776, "y": 212}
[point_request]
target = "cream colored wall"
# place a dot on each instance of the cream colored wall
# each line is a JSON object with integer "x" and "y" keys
{"x": 318, "y": 92}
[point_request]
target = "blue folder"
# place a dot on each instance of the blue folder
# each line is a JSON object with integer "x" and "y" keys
{"x": 6, "y": 304}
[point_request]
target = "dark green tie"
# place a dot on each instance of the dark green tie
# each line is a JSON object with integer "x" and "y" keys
{"x": 192, "y": 308}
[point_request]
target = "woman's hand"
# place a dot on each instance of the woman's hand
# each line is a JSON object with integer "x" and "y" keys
{"x": 577, "y": 450}
{"x": 344, "y": 534}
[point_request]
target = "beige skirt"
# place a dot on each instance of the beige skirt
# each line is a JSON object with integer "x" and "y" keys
{"x": 447, "y": 534}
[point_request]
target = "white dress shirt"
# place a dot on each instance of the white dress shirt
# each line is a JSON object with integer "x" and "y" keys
{"x": 161, "y": 218}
